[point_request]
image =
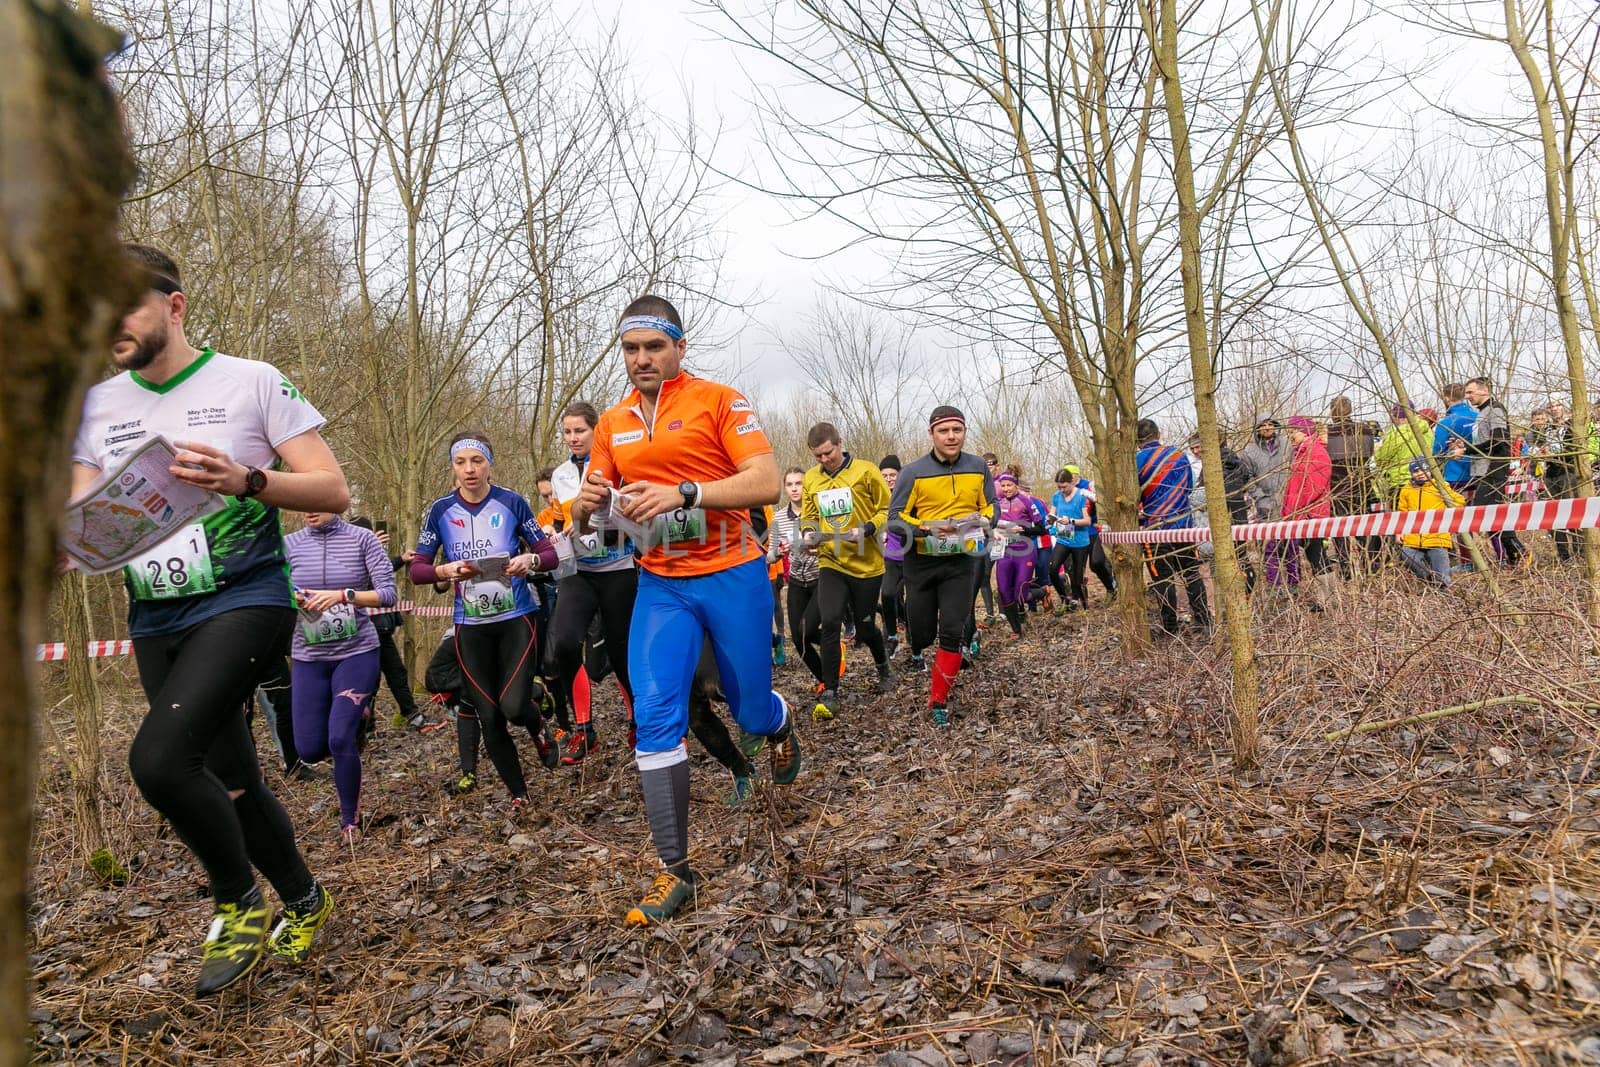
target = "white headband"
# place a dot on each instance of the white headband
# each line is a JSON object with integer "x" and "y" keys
{"x": 472, "y": 443}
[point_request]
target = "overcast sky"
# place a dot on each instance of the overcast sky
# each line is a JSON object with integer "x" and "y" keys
{"x": 771, "y": 259}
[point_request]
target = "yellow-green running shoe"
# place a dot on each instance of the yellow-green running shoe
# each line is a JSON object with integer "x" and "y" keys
{"x": 291, "y": 938}
{"x": 786, "y": 758}
{"x": 233, "y": 945}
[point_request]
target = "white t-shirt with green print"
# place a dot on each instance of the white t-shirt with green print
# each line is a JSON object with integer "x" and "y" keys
{"x": 233, "y": 558}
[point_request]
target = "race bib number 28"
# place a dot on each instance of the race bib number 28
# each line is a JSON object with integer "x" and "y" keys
{"x": 944, "y": 544}
{"x": 179, "y": 567}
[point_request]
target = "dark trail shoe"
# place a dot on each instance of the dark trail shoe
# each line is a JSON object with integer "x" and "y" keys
{"x": 233, "y": 945}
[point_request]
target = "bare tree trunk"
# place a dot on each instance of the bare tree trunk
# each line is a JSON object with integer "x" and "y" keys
{"x": 63, "y": 167}
{"x": 1117, "y": 498}
{"x": 1352, "y": 280}
{"x": 1244, "y": 715}
{"x": 1561, "y": 217}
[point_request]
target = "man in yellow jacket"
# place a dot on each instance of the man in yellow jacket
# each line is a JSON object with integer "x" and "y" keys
{"x": 1426, "y": 554}
{"x": 844, "y": 505}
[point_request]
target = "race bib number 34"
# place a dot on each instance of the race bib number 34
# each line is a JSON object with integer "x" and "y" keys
{"x": 179, "y": 567}
{"x": 485, "y": 600}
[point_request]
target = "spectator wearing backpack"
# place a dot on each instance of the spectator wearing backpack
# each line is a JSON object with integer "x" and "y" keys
{"x": 1351, "y": 444}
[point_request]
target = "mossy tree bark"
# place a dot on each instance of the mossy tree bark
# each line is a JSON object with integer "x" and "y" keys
{"x": 64, "y": 165}
{"x": 83, "y": 756}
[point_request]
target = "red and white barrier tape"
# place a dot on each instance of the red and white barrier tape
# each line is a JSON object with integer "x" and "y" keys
{"x": 96, "y": 650}
{"x": 1580, "y": 514}
{"x": 57, "y": 651}
{"x": 407, "y": 607}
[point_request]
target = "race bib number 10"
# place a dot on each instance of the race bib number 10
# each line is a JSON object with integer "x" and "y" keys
{"x": 179, "y": 567}
{"x": 836, "y": 506}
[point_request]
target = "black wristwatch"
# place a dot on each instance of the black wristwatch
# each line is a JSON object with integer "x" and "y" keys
{"x": 255, "y": 480}
{"x": 691, "y": 494}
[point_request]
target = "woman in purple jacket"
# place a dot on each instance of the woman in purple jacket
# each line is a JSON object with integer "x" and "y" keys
{"x": 1018, "y": 520}
{"x": 337, "y": 570}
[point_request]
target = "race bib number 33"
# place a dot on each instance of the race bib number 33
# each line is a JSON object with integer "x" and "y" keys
{"x": 338, "y": 623}
{"x": 179, "y": 567}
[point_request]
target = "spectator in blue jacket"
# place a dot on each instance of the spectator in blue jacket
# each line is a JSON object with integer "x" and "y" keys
{"x": 1165, "y": 481}
{"x": 1098, "y": 563}
{"x": 1455, "y": 425}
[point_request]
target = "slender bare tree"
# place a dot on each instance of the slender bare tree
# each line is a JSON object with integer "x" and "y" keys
{"x": 866, "y": 373}
{"x": 1161, "y": 27}
{"x": 1006, "y": 153}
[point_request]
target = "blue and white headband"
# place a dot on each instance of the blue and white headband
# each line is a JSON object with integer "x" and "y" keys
{"x": 650, "y": 322}
{"x": 475, "y": 445}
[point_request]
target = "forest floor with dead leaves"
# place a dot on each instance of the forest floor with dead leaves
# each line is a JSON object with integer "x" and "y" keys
{"x": 1073, "y": 874}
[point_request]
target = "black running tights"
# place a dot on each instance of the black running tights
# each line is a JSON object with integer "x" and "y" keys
{"x": 194, "y": 749}
{"x": 497, "y": 665}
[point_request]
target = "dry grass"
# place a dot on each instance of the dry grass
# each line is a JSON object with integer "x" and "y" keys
{"x": 1072, "y": 875}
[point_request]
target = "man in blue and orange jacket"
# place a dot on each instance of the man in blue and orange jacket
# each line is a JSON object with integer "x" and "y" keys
{"x": 1165, "y": 480}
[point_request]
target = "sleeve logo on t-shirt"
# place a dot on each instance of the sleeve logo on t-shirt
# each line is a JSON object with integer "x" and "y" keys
{"x": 285, "y": 389}
{"x": 740, "y": 404}
{"x": 750, "y": 426}
{"x": 628, "y": 438}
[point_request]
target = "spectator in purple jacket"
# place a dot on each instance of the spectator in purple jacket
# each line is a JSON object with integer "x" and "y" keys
{"x": 337, "y": 570}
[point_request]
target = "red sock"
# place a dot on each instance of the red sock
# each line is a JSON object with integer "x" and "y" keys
{"x": 945, "y": 666}
{"x": 581, "y": 698}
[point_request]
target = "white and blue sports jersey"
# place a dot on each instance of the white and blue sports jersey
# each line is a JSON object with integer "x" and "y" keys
{"x": 597, "y": 551}
{"x": 499, "y": 525}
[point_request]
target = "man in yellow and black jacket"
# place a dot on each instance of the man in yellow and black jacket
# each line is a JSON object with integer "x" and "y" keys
{"x": 939, "y": 516}
{"x": 844, "y": 505}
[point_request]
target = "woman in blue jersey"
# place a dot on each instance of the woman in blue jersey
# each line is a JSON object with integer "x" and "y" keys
{"x": 1071, "y": 519}
{"x": 479, "y": 529}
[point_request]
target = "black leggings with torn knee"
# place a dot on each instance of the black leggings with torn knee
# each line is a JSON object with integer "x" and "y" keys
{"x": 194, "y": 749}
